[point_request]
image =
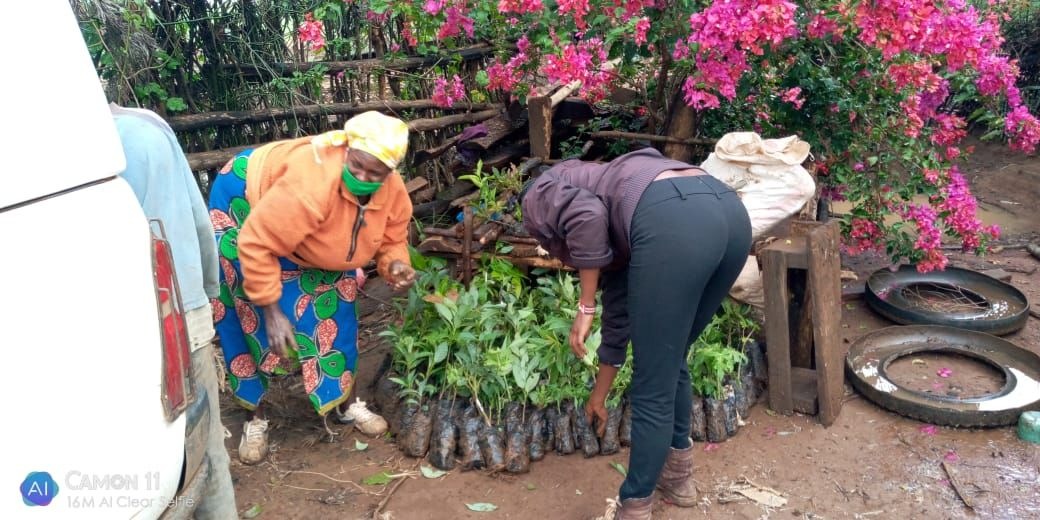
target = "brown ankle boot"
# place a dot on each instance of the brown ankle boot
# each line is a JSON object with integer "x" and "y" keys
{"x": 676, "y": 481}
{"x": 630, "y": 509}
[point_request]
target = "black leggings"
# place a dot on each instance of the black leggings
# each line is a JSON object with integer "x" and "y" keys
{"x": 690, "y": 238}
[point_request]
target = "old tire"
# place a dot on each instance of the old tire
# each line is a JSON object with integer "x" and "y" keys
{"x": 991, "y": 306}
{"x": 871, "y": 355}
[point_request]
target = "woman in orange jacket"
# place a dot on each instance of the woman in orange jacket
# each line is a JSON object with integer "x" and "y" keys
{"x": 294, "y": 221}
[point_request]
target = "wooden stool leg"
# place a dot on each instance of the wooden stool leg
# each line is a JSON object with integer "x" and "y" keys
{"x": 825, "y": 283}
{"x": 778, "y": 339}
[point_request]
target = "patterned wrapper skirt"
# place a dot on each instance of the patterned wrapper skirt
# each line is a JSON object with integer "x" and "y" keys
{"x": 318, "y": 303}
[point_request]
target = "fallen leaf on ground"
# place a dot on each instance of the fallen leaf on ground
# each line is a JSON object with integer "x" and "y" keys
{"x": 530, "y": 486}
{"x": 360, "y": 446}
{"x": 379, "y": 479}
{"x": 429, "y": 472}
{"x": 759, "y": 494}
{"x": 481, "y": 507}
{"x": 252, "y": 512}
{"x": 620, "y": 468}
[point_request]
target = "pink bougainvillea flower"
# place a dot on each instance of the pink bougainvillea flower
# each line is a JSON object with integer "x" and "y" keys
{"x": 944, "y": 372}
{"x": 929, "y": 429}
{"x": 310, "y": 32}
{"x": 642, "y": 26}
{"x": 711, "y": 446}
{"x": 793, "y": 96}
{"x": 951, "y": 456}
{"x": 446, "y": 93}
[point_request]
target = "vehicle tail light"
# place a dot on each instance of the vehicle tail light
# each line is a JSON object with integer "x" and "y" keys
{"x": 176, "y": 380}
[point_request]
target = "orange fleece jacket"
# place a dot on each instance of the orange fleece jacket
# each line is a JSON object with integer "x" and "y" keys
{"x": 301, "y": 210}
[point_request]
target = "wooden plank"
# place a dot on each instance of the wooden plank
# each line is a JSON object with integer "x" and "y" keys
{"x": 214, "y": 159}
{"x": 415, "y": 184}
{"x": 217, "y": 158}
{"x": 825, "y": 280}
{"x": 774, "y": 265}
{"x": 215, "y": 119}
{"x": 424, "y": 195}
{"x": 539, "y": 110}
{"x": 633, "y": 136}
{"x": 437, "y": 123}
{"x": 471, "y": 53}
{"x": 804, "y": 390}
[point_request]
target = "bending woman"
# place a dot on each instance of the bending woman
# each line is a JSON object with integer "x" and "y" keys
{"x": 294, "y": 221}
{"x": 665, "y": 241}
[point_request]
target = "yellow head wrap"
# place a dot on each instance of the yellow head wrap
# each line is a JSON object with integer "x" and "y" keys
{"x": 384, "y": 137}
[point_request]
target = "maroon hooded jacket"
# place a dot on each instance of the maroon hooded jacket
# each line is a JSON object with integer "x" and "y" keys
{"x": 582, "y": 213}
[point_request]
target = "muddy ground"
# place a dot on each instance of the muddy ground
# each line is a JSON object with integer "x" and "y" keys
{"x": 869, "y": 464}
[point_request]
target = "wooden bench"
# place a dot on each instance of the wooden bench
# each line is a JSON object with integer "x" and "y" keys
{"x": 805, "y": 352}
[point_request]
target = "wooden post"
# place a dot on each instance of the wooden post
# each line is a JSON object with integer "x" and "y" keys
{"x": 825, "y": 283}
{"x": 539, "y": 110}
{"x": 778, "y": 340}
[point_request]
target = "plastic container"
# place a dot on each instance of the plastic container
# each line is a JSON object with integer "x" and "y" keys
{"x": 1029, "y": 427}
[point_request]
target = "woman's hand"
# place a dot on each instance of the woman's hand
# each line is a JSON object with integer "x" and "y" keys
{"x": 280, "y": 334}
{"x": 402, "y": 276}
{"x": 596, "y": 408}
{"x": 580, "y": 332}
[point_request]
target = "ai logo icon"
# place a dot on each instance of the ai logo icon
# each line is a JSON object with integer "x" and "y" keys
{"x": 39, "y": 489}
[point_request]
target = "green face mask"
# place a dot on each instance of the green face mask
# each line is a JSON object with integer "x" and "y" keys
{"x": 357, "y": 187}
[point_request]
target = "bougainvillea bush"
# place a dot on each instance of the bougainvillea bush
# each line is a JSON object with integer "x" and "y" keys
{"x": 884, "y": 90}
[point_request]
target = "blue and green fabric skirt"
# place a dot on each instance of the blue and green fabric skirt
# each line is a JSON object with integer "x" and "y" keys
{"x": 318, "y": 303}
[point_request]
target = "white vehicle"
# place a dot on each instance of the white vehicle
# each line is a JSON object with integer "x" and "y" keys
{"x": 101, "y": 414}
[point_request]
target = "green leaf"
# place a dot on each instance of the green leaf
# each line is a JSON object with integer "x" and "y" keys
{"x": 529, "y": 486}
{"x": 482, "y": 78}
{"x": 481, "y": 507}
{"x": 360, "y": 446}
{"x": 441, "y": 353}
{"x": 252, "y": 512}
{"x": 176, "y": 104}
{"x": 379, "y": 6}
{"x": 992, "y": 134}
{"x": 620, "y": 468}
{"x": 379, "y": 479}
{"x": 429, "y": 472}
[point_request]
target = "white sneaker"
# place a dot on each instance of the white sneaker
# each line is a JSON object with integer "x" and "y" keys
{"x": 344, "y": 416}
{"x": 364, "y": 420}
{"x": 253, "y": 447}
